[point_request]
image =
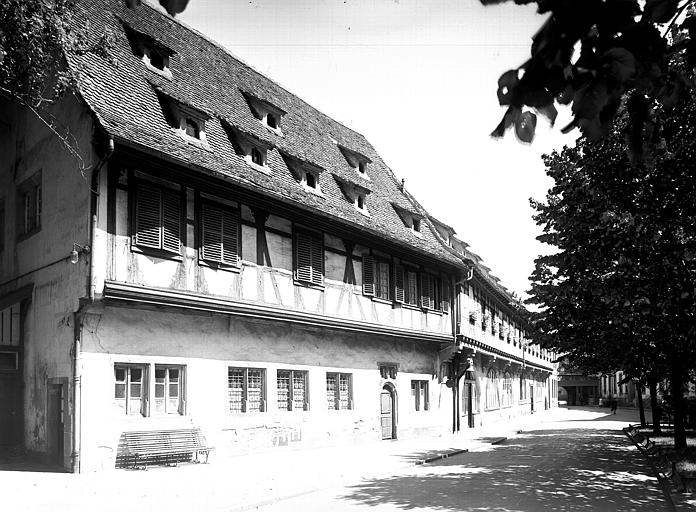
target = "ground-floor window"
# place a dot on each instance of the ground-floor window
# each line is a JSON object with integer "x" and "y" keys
{"x": 523, "y": 387}
{"x": 492, "y": 393}
{"x": 419, "y": 393}
{"x": 339, "y": 391}
{"x": 292, "y": 390}
{"x": 507, "y": 390}
{"x": 168, "y": 389}
{"x": 246, "y": 389}
{"x": 130, "y": 388}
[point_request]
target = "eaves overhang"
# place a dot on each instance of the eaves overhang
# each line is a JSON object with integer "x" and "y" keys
{"x": 469, "y": 343}
{"x": 118, "y": 292}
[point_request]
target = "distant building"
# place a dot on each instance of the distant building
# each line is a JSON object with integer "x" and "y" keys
{"x": 577, "y": 388}
{"x": 230, "y": 259}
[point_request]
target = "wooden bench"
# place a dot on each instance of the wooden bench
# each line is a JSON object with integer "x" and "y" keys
{"x": 169, "y": 447}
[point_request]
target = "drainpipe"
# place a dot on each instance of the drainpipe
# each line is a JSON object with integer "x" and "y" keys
{"x": 456, "y": 426}
{"x": 78, "y": 316}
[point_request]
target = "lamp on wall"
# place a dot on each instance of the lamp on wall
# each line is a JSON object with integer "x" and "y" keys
{"x": 76, "y": 251}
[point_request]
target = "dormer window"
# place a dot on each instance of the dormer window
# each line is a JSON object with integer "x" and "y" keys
{"x": 268, "y": 114}
{"x": 410, "y": 217}
{"x": 152, "y": 52}
{"x": 355, "y": 193}
{"x": 188, "y": 121}
{"x": 192, "y": 129}
{"x": 257, "y": 156}
{"x": 416, "y": 226}
{"x": 310, "y": 180}
{"x": 357, "y": 161}
{"x": 360, "y": 201}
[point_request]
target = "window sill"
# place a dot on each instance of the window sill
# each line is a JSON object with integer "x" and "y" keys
{"x": 164, "y": 73}
{"x": 261, "y": 168}
{"x": 412, "y": 307}
{"x": 28, "y": 234}
{"x": 217, "y": 265}
{"x": 199, "y": 143}
{"x": 305, "y": 284}
{"x": 382, "y": 301}
{"x": 157, "y": 253}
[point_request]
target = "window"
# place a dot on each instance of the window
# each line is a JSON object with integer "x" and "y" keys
{"x": 411, "y": 287}
{"x": 246, "y": 390}
{"x": 310, "y": 180}
{"x": 507, "y": 390}
{"x": 339, "y": 391}
{"x": 416, "y": 226}
{"x": 376, "y": 278}
{"x": 431, "y": 296}
{"x": 130, "y": 389}
{"x": 29, "y": 205}
{"x": 360, "y": 201}
{"x": 474, "y": 399}
{"x": 492, "y": 393}
{"x": 388, "y": 370}
{"x": 168, "y": 389}
{"x": 419, "y": 393}
{"x": 292, "y": 390}
{"x": 219, "y": 234}
{"x": 192, "y": 129}
{"x": 362, "y": 167}
{"x": 158, "y": 60}
{"x": 267, "y": 113}
{"x": 257, "y": 156}
{"x": 271, "y": 120}
{"x": 157, "y": 218}
{"x": 309, "y": 258}
{"x": 523, "y": 387}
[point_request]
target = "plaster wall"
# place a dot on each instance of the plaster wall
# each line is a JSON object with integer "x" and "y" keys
{"x": 206, "y": 345}
{"x": 40, "y": 258}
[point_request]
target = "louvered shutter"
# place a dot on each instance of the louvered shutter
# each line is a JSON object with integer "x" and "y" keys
{"x": 230, "y": 237}
{"x": 426, "y": 291}
{"x": 171, "y": 221}
{"x": 317, "y": 256}
{"x": 148, "y": 207}
{"x": 303, "y": 257}
{"x": 445, "y": 295}
{"x": 398, "y": 283}
{"x": 368, "y": 265}
{"x": 211, "y": 233}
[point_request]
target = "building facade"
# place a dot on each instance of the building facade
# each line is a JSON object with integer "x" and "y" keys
{"x": 224, "y": 256}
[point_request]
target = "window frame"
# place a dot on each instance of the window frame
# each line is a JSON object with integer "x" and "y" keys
{"x": 420, "y": 388}
{"x": 143, "y": 410}
{"x": 337, "y": 402}
{"x": 290, "y": 400}
{"x": 175, "y": 203}
{"x": 243, "y": 409}
{"x": 312, "y": 241}
{"x": 180, "y": 407}
{"x": 492, "y": 390}
{"x": 507, "y": 399}
{"x": 29, "y": 206}
{"x": 227, "y": 214}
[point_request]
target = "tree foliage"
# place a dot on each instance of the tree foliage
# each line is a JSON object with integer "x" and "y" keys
{"x": 589, "y": 53}
{"x": 620, "y": 292}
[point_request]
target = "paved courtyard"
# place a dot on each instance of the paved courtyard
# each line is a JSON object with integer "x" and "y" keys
{"x": 567, "y": 460}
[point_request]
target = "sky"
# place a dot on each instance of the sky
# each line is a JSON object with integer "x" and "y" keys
{"x": 418, "y": 78}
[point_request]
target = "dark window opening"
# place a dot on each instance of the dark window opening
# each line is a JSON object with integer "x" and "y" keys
{"x": 271, "y": 120}
{"x": 361, "y": 202}
{"x": 256, "y": 156}
{"x": 157, "y": 60}
{"x": 192, "y": 128}
{"x": 416, "y": 225}
{"x": 362, "y": 167}
{"x": 311, "y": 180}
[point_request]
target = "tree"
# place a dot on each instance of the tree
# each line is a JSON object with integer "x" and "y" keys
{"x": 619, "y": 293}
{"x": 588, "y": 54}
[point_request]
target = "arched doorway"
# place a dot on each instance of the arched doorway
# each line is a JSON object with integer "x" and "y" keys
{"x": 387, "y": 404}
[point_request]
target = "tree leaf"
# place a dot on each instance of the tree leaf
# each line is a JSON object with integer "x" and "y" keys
{"x": 660, "y": 11}
{"x": 621, "y": 64}
{"x": 506, "y": 84}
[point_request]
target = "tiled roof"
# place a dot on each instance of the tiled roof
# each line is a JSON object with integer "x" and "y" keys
{"x": 124, "y": 98}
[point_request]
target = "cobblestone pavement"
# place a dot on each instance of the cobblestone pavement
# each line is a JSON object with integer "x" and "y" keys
{"x": 567, "y": 459}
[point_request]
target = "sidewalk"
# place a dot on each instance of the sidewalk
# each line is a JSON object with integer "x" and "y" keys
{"x": 242, "y": 483}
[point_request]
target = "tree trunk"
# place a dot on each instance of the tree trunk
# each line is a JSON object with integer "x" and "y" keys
{"x": 678, "y": 406}
{"x": 639, "y": 397}
{"x": 656, "y": 412}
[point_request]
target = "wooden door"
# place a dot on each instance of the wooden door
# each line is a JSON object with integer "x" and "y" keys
{"x": 387, "y": 414}
{"x": 11, "y": 403}
{"x": 55, "y": 424}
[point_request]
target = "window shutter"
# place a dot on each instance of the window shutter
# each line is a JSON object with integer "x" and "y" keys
{"x": 317, "y": 256}
{"x": 230, "y": 237}
{"x": 171, "y": 221}
{"x": 212, "y": 230}
{"x": 426, "y": 291}
{"x": 303, "y": 257}
{"x": 398, "y": 283}
{"x": 445, "y": 295}
{"x": 148, "y": 206}
{"x": 368, "y": 275}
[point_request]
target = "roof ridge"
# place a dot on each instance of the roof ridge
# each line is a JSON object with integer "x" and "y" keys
{"x": 155, "y": 8}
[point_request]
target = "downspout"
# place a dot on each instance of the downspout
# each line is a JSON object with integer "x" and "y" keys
{"x": 77, "y": 335}
{"x": 456, "y": 324}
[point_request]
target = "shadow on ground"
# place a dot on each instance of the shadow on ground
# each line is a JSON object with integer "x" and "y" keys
{"x": 561, "y": 470}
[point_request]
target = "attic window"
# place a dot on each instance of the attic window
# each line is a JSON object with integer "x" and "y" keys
{"x": 360, "y": 201}
{"x": 157, "y": 60}
{"x": 152, "y": 52}
{"x": 357, "y": 161}
{"x": 192, "y": 129}
{"x": 268, "y": 114}
{"x": 310, "y": 180}
{"x": 257, "y": 156}
{"x": 416, "y": 225}
{"x": 271, "y": 120}
{"x": 362, "y": 167}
